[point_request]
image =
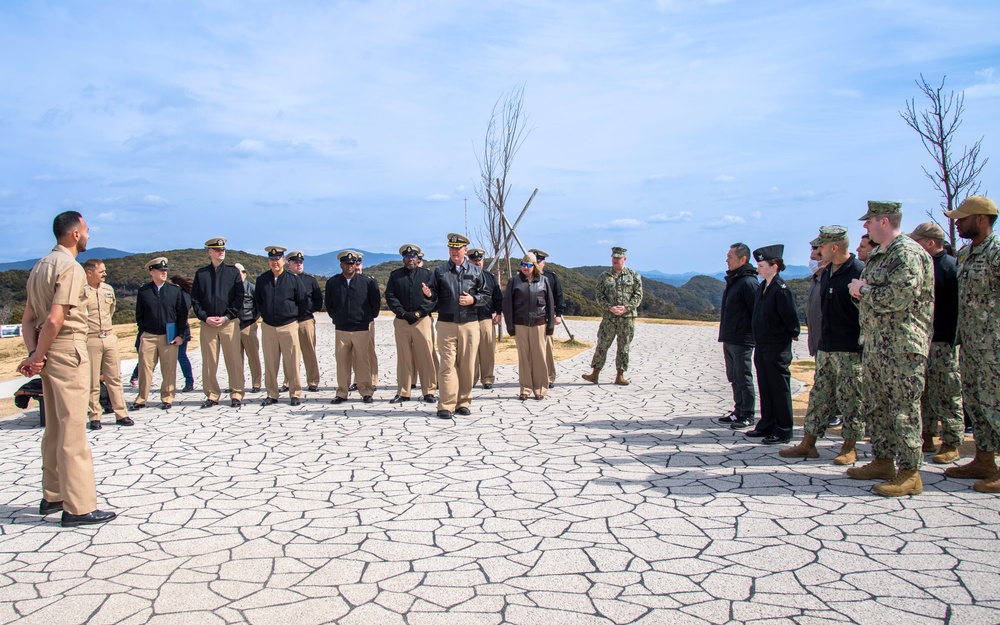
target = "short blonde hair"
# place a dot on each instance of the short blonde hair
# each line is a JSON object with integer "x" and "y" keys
{"x": 530, "y": 258}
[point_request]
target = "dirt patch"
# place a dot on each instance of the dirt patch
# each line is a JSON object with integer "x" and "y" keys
{"x": 562, "y": 349}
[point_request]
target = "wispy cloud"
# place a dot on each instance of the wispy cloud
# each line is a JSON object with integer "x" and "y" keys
{"x": 724, "y": 178}
{"x": 727, "y": 221}
{"x": 663, "y": 218}
{"x": 625, "y": 224}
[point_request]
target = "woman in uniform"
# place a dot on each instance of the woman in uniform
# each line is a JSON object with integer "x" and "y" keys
{"x": 529, "y": 311}
{"x": 775, "y": 325}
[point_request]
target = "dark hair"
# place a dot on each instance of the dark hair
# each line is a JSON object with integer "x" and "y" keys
{"x": 741, "y": 250}
{"x": 777, "y": 262}
{"x": 992, "y": 219}
{"x": 948, "y": 249}
{"x": 182, "y": 281}
{"x": 64, "y": 223}
{"x": 92, "y": 263}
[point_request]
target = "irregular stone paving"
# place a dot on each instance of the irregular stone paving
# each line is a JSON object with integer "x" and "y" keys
{"x": 600, "y": 504}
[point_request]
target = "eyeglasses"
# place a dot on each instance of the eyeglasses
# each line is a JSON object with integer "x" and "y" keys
{"x": 409, "y": 255}
{"x": 527, "y": 264}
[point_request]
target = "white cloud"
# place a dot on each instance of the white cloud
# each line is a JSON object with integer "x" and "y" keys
{"x": 663, "y": 218}
{"x": 725, "y": 178}
{"x": 437, "y": 197}
{"x": 251, "y": 146}
{"x": 987, "y": 89}
{"x": 153, "y": 200}
{"x": 107, "y": 216}
{"x": 625, "y": 224}
{"x": 604, "y": 242}
{"x": 725, "y": 222}
{"x": 756, "y": 215}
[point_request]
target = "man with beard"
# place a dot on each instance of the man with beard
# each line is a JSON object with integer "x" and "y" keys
{"x": 412, "y": 327}
{"x": 102, "y": 345}
{"x": 352, "y": 301}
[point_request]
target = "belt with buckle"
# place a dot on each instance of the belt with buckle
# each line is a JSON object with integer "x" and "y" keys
{"x": 104, "y": 335}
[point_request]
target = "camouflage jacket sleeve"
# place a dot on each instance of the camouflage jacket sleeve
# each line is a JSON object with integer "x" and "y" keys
{"x": 896, "y": 306}
{"x": 633, "y": 293}
{"x": 979, "y": 295}
{"x": 605, "y": 291}
{"x": 891, "y": 280}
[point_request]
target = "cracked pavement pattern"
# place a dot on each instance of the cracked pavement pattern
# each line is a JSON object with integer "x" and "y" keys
{"x": 600, "y": 504}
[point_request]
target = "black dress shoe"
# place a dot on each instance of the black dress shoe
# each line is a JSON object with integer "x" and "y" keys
{"x": 91, "y": 518}
{"x": 312, "y": 388}
{"x": 136, "y": 406}
{"x": 444, "y": 414}
{"x": 368, "y": 399}
{"x": 268, "y": 401}
{"x": 283, "y": 389}
{"x": 413, "y": 387}
{"x": 338, "y": 400}
{"x": 398, "y": 399}
{"x": 755, "y": 434}
{"x": 463, "y": 411}
{"x": 352, "y": 387}
{"x": 208, "y": 403}
{"x": 552, "y": 384}
{"x": 94, "y": 425}
{"x": 775, "y": 440}
{"x": 295, "y": 401}
{"x": 430, "y": 398}
{"x": 125, "y": 421}
{"x": 487, "y": 386}
{"x": 255, "y": 389}
{"x": 741, "y": 424}
{"x": 187, "y": 388}
{"x": 48, "y": 507}
{"x": 164, "y": 406}
{"x": 235, "y": 403}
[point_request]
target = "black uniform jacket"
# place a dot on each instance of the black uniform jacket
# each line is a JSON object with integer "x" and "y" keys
{"x": 737, "y": 306}
{"x": 217, "y": 292}
{"x": 840, "y": 326}
{"x": 352, "y": 306}
{"x": 155, "y": 309}
{"x": 248, "y": 312}
{"x": 775, "y": 320}
{"x": 447, "y": 285}
{"x": 527, "y": 301}
{"x": 557, "y": 291}
{"x": 404, "y": 294}
{"x": 945, "y": 298}
{"x": 314, "y": 293}
{"x": 494, "y": 303}
{"x": 282, "y": 301}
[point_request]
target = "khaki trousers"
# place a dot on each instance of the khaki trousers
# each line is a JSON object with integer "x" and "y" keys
{"x": 153, "y": 348}
{"x": 414, "y": 356}
{"x": 307, "y": 345}
{"x": 550, "y": 360}
{"x": 250, "y": 347}
{"x": 103, "y": 356}
{"x": 352, "y": 352}
{"x": 226, "y": 336}
{"x": 67, "y": 463}
{"x": 486, "y": 355}
{"x": 281, "y": 346}
{"x": 372, "y": 358}
{"x": 532, "y": 372}
{"x": 457, "y": 345}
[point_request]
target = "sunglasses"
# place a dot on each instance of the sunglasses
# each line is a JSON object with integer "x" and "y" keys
{"x": 409, "y": 255}
{"x": 527, "y": 264}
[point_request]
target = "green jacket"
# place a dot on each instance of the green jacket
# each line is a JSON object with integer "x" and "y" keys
{"x": 625, "y": 289}
{"x": 897, "y": 304}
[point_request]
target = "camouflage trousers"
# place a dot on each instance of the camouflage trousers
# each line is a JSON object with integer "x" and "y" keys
{"x": 622, "y": 328}
{"x": 942, "y": 398}
{"x": 836, "y": 391}
{"x": 892, "y": 383}
{"x": 981, "y": 394}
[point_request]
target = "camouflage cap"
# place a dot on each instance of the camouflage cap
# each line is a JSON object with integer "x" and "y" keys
{"x": 298, "y": 255}
{"x": 769, "y": 252}
{"x": 160, "y": 262}
{"x": 618, "y": 252}
{"x": 973, "y": 205}
{"x": 829, "y": 234}
{"x": 410, "y": 250}
{"x": 349, "y": 256}
{"x": 475, "y": 253}
{"x": 928, "y": 230}
{"x": 216, "y": 243}
{"x": 879, "y": 209}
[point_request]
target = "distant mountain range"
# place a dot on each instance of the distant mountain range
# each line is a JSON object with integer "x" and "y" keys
{"x": 680, "y": 279}
{"x": 97, "y": 252}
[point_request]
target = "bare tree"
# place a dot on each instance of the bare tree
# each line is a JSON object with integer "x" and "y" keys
{"x": 505, "y": 133}
{"x": 954, "y": 178}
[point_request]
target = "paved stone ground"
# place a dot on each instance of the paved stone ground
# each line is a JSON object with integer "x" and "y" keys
{"x": 598, "y": 505}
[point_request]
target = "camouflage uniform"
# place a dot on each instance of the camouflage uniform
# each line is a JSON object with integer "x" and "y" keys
{"x": 979, "y": 334}
{"x": 895, "y": 314}
{"x": 625, "y": 289}
{"x": 837, "y": 390}
{"x": 942, "y": 399}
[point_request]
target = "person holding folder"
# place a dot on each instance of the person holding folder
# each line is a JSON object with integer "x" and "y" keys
{"x": 161, "y": 315}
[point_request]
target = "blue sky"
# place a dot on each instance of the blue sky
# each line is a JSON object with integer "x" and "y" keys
{"x": 673, "y": 128}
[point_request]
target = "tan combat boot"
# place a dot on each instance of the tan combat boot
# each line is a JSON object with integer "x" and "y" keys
{"x": 805, "y": 449}
{"x": 928, "y": 442}
{"x": 848, "y": 454}
{"x": 877, "y": 469}
{"x": 620, "y": 379}
{"x": 989, "y": 485}
{"x": 907, "y": 482}
{"x": 945, "y": 455}
{"x": 981, "y": 467}
{"x": 591, "y": 377}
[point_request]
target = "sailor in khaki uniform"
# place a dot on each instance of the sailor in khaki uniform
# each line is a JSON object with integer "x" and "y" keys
{"x": 307, "y": 322}
{"x": 281, "y": 300}
{"x": 161, "y": 317}
{"x": 102, "y": 346}
{"x": 54, "y": 327}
